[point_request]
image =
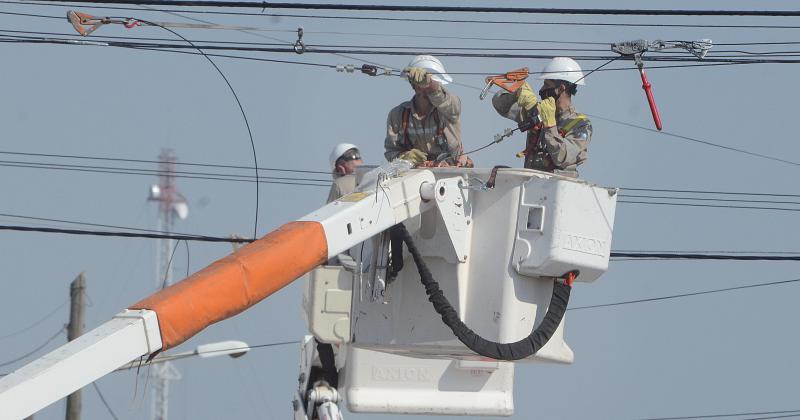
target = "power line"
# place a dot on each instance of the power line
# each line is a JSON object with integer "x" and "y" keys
{"x": 198, "y": 238}
{"x": 178, "y": 163}
{"x": 696, "y": 140}
{"x": 105, "y": 403}
{"x": 202, "y": 238}
{"x": 144, "y": 173}
{"x": 719, "y": 206}
{"x": 709, "y": 192}
{"x": 653, "y": 299}
{"x": 709, "y": 199}
{"x": 755, "y": 413}
{"x": 263, "y": 5}
{"x": 396, "y": 19}
{"x": 407, "y": 52}
{"x": 35, "y": 323}
{"x": 690, "y": 256}
{"x": 43, "y": 345}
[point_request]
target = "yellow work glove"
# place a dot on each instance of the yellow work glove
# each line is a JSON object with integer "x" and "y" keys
{"x": 547, "y": 112}
{"x": 417, "y": 76}
{"x": 526, "y": 98}
{"x": 415, "y": 156}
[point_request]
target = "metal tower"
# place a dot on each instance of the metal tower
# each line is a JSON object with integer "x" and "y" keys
{"x": 171, "y": 203}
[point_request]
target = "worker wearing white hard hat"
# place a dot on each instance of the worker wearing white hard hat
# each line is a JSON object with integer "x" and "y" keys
{"x": 560, "y": 138}
{"x": 426, "y": 129}
{"x": 344, "y": 159}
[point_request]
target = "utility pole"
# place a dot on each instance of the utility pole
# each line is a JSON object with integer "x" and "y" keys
{"x": 171, "y": 203}
{"x": 74, "y": 330}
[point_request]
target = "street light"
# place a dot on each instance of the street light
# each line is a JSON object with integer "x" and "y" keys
{"x": 232, "y": 348}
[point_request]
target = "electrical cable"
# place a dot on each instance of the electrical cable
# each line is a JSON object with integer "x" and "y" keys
{"x": 157, "y": 172}
{"x": 35, "y": 323}
{"x": 239, "y": 103}
{"x": 690, "y": 256}
{"x": 43, "y": 345}
{"x": 203, "y": 238}
{"x": 663, "y": 203}
{"x": 709, "y": 199}
{"x": 696, "y": 140}
{"x": 118, "y": 159}
{"x": 708, "y": 416}
{"x": 396, "y": 19}
{"x": 198, "y": 238}
{"x": 705, "y": 292}
{"x": 263, "y": 5}
{"x": 105, "y": 403}
{"x": 709, "y": 192}
{"x": 262, "y": 181}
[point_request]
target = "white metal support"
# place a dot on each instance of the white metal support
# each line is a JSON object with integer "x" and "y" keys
{"x": 128, "y": 335}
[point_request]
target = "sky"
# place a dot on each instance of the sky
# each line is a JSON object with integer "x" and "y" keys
{"x": 720, "y": 353}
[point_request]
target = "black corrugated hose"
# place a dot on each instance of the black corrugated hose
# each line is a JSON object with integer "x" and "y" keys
{"x": 500, "y": 351}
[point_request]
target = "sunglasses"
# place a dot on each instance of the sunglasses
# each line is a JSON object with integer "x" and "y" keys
{"x": 348, "y": 156}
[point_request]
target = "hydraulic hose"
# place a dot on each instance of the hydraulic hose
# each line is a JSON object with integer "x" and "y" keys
{"x": 500, "y": 351}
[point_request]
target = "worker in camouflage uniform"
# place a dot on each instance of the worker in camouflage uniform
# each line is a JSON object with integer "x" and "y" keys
{"x": 559, "y": 144}
{"x": 427, "y": 129}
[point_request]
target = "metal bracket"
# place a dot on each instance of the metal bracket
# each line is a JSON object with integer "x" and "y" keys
{"x": 451, "y": 199}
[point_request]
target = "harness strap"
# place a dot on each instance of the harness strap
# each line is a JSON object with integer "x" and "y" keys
{"x": 407, "y": 139}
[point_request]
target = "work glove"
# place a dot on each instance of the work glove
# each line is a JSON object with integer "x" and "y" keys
{"x": 415, "y": 156}
{"x": 526, "y": 98}
{"x": 417, "y": 76}
{"x": 547, "y": 112}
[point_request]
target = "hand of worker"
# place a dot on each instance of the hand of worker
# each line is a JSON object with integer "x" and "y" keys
{"x": 547, "y": 112}
{"x": 415, "y": 156}
{"x": 418, "y": 76}
{"x": 526, "y": 98}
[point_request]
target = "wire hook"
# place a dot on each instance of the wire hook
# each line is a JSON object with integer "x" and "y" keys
{"x": 299, "y": 46}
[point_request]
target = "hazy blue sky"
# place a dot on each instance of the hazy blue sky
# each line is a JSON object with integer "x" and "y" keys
{"x": 713, "y": 354}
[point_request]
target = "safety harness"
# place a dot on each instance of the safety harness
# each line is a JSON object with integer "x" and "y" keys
{"x": 533, "y": 139}
{"x": 407, "y": 145}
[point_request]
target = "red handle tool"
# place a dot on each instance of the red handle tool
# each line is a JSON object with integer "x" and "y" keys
{"x": 650, "y": 100}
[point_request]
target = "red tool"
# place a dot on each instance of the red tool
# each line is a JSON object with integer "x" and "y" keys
{"x": 510, "y": 81}
{"x": 649, "y": 92}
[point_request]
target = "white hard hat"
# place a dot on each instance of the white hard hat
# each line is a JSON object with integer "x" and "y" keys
{"x": 338, "y": 151}
{"x": 434, "y": 67}
{"x": 563, "y": 68}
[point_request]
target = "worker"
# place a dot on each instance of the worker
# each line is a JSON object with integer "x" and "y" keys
{"x": 344, "y": 159}
{"x": 559, "y": 144}
{"x": 427, "y": 129}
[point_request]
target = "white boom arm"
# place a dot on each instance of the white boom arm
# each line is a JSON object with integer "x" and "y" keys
{"x": 237, "y": 282}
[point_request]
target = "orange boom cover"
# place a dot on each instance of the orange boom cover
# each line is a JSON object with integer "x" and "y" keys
{"x": 236, "y": 282}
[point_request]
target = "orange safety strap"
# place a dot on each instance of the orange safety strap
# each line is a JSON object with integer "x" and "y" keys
{"x": 234, "y": 283}
{"x": 406, "y": 115}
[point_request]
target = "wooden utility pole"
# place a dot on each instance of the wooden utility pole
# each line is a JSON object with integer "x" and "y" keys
{"x": 74, "y": 330}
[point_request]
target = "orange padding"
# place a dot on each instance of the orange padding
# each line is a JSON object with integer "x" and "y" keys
{"x": 236, "y": 282}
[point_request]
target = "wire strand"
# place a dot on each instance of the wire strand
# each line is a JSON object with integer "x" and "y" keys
{"x": 682, "y": 295}
{"x": 30, "y": 353}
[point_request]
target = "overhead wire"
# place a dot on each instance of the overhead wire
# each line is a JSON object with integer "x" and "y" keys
{"x": 103, "y": 400}
{"x": 35, "y": 350}
{"x": 708, "y": 416}
{"x": 682, "y": 295}
{"x": 35, "y": 323}
{"x": 453, "y": 9}
{"x": 203, "y": 238}
{"x": 407, "y": 19}
{"x": 238, "y": 102}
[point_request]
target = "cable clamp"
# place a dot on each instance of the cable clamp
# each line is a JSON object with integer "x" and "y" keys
{"x": 299, "y": 46}
{"x": 349, "y": 68}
